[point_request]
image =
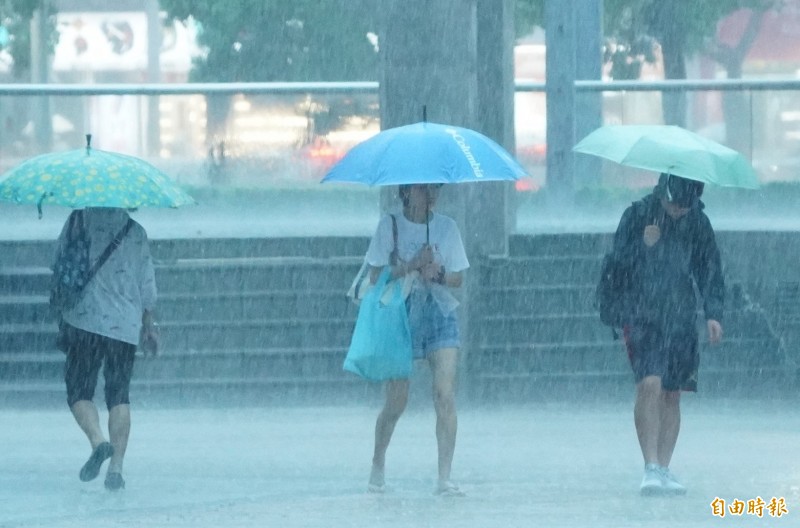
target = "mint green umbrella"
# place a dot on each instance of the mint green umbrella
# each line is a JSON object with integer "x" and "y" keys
{"x": 90, "y": 178}
{"x": 673, "y": 150}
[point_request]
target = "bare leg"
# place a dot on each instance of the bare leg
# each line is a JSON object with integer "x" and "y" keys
{"x": 444, "y": 364}
{"x": 119, "y": 428}
{"x": 85, "y": 413}
{"x": 647, "y": 417}
{"x": 670, "y": 426}
{"x": 396, "y": 399}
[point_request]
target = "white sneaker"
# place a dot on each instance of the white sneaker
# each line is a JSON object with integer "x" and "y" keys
{"x": 377, "y": 482}
{"x": 670, "y": 483}
{"x": 447, "y": 488}
{"x": 653, "y": 482}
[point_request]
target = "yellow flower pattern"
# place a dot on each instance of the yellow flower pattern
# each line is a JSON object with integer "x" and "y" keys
{"x": 90, "y": 177}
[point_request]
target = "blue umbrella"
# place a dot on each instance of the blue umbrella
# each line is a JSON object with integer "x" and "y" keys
{"x": 426, "y": 153}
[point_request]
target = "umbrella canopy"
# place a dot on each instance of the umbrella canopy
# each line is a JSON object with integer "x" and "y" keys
{"x": 90, "y": 178}
{"x": 425, "y": 153}
{"x": 672, "y": 150}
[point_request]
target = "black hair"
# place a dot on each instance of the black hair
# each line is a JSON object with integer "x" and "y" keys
{"x": 404, "y": 190}
{"x": 682, "y": 192}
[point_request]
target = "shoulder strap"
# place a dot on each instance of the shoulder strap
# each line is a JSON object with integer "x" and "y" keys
{"x": 393, "y": 254}
{"x": 114, "y": 244}
{"x": 74, "y": 225}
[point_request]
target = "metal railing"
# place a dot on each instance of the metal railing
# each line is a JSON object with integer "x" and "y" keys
{"x": 769, "y": 111}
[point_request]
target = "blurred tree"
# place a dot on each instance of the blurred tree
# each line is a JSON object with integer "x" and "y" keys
{"x": 281, "y": 40}
{"x": 634, "y": 28}
{"x": 681, "y": 27}
{"x": 15, "y": 23}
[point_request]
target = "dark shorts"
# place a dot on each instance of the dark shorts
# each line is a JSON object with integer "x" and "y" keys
{"x": 431, "y": 329}
{"x": 85, "y": 353}
{"x": 672, "y": 357}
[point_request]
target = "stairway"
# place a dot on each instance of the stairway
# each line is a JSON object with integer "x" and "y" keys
{"x": 537, "y": 334}
{"x": 241, "y": 322}
{"x": 254, "y": 321}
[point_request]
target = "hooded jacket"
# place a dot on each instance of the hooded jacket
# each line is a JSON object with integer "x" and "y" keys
{"x": 661, "y": 283}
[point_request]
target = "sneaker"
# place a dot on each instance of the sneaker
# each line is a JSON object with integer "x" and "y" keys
{"x": 652, "y": 483}
{"x": 670, "y": 483}
{"x": 377, "y": 482}
{"x": 91, "y": 468}
{"x": 114, "y": 482}
{"x": 447, "y": 488}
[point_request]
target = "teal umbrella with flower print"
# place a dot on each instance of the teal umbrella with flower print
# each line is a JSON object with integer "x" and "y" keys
{"x": 90, "y": 178}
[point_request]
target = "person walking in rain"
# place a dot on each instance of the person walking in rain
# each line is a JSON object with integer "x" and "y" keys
{"x": 667, "y": 244}
{"x": 113, "y": 315}
{"x": 428, "y": 243}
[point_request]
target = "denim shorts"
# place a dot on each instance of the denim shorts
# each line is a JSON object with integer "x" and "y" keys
{"x": 431, "y": 329}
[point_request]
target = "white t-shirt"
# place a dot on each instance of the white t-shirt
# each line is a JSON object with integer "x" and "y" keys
{"x": 123, "y": 287}
{"x": 445, "y": 239}
{"x": 448, "y": 249}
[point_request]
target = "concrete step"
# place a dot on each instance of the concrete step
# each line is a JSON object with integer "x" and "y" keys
{"x": 39, "y": 253}
{"x": 273, "y": 363}
{"x": 193, "y": 364}
{"x": 555, "y": 328}
{"x": 206, "y": 306}
{"x": 741, "y": 355}
{"x": 25, "y": 309}
{"x": 603, "y": 385}
{"x": 586, "y": 327}
{"x": 25, "y": 280}
{"x": 257, "y": 333}
{"x": 242, "y": 275}
{"x": 537, "y": 300}
{"x": 206, "y": 276}
{"x": 322, "y": 391}
{"x": 200, "y": 335}
{"x": 540, "y": 271}
{"x": 562, "y": 244}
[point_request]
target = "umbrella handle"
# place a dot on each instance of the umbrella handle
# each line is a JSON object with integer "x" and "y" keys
{"x": 39, "y": 203}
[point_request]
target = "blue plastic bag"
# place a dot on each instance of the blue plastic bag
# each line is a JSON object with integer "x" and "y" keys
{"x": 380, "y": 348}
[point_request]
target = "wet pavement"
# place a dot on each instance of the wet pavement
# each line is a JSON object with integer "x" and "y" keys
{"x": 570, "y": 464}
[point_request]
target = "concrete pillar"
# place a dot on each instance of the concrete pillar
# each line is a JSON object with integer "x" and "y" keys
{"x": 455, "y": 58}
{"x": 588, "y": 66}
{"x": 560, "y": 64}
{"x": 40, "y": 67}
{"x": 573, "y": 35}
{"x": 428, "y": 54}
{"x": 153, "y": 135}
{"x": 491, "y": 201}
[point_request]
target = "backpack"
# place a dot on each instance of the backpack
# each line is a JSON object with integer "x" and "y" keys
{"x": 71, "y": 269}
{"x": 612, "y": 292}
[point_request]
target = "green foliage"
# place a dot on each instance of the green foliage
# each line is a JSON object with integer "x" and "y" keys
{"x": 282, "y": 40}
{"x": 528, "y": 15}
{"x": 15, "y": 17}
{"x": 634, "y": 27}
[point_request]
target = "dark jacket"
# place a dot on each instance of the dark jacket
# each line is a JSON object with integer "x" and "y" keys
{"x": 662, "y": 277}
